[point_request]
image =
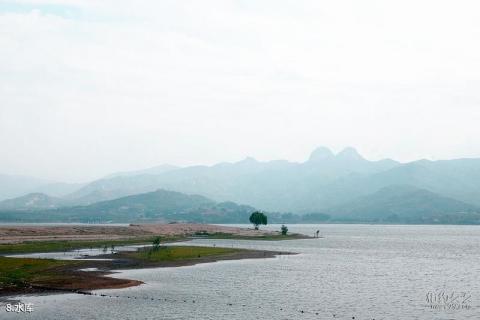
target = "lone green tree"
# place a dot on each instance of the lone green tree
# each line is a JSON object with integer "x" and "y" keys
{"x": 257, "y": 218}
{"x": 284, "y": 230}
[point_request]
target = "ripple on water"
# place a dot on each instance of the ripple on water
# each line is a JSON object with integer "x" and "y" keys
{"x": 366, "y": 272}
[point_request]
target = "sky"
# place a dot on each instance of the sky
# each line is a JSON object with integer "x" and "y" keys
{"x": 93, "y": 87}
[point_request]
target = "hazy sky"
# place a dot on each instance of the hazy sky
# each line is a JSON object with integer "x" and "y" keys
{"x": 92, "y": 87}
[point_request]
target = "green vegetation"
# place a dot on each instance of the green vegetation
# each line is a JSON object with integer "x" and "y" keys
{"x": 284, "y": 230}
{"x": 257, "y": 218}
{"x": 174, "y": 253}
{"x": 29, "y": 274}
{"x": 64, "y": 245}
{"x": 156, "y": 244}
{"x": 21, "y": 272}
{"x": 151, "y": 206}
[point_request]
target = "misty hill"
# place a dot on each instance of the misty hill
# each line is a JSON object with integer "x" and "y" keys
{"x": 154, "y": 170}
{"x": 31, "y": 201}
{"x": 324, "y": 182}
{"x": 160, "y": 205}
{"x": 459, "y": 178}
{"x": 113, "y": 188}
{"x": 393, "y": 204}
{"x": 274, "y": 185}
{"x": 118, "y": 185}
{"x": 57, "y": 189}
{"x": 12, "y": 186}
{"x": 406, "y": 204}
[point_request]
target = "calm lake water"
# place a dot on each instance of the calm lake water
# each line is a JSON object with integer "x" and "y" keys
{"x": 361, "y": 271}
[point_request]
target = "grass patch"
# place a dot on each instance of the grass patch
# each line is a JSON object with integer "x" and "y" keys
{"x": 174, "y": 253}
{"x": 64, "y": 245}
{"x": 20, "y": 272}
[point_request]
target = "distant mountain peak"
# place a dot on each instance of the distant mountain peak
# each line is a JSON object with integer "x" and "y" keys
{"x": 349, "y": 153}
{"x": 31, "y": 201}
{"x": 152, "y": 170}
{"x": 321, "y": 153}
{"x": 248, "y": 160}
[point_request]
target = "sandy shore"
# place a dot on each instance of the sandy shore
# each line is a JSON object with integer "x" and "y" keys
{"x": 18, "y": 234}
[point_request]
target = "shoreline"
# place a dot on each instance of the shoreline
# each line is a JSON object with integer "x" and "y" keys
{"x": 33, "y": 276}
{"x": 10, "y": 235}
{"x": 71, "y": 279}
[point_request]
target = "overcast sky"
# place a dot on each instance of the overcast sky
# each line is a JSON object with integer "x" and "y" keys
{"x": 92, "y": 87}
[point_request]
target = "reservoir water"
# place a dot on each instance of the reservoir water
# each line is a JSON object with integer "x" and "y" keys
{"x": 360, "y": 271}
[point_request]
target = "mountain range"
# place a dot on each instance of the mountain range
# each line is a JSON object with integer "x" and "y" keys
{"x": 159, "y": 205}
{"x": 406, "y": 204}
{"x": 345, "y": 186}
{"x": 273, "y": 186}
{"x": 12, "y": 186}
